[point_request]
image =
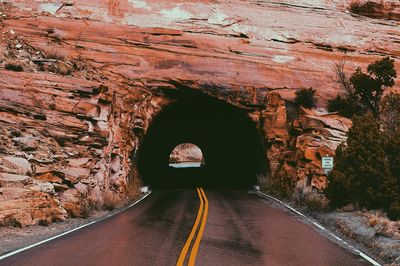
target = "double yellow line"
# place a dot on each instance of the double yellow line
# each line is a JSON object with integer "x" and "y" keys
{"x": 201, "y": 214}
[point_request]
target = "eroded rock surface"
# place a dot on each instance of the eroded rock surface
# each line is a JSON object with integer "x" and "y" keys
{"x": 80, "y": 82}
{"x": 186, "y": 152}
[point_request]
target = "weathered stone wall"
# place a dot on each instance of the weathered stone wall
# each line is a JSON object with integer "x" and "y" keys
{"x": 295, "y": 148}
{"x": 81, "y": 81}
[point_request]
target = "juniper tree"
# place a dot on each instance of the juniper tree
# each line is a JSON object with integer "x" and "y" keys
{"x": 392, "y": 184}
{"x": 363, "y": 91}
{"x": 361, "y": 168}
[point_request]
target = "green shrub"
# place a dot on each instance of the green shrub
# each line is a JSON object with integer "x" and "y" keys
{"x": 374, "y": 9}
{"x": 359, "y": 8}
{"x": 363, "y": 91}
{"x": 367, "y": 169}
{"x": 371, "y": 86}
{"x": 345, "y": 106}
{"x": 305, "y": 97}
{"x": 390, "y": 113}
{"x": 392, "y": 185}
{"x": 14, "y": 67}
{"x": 361, "y": 169}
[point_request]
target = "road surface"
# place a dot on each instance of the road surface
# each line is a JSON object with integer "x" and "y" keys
{"x": 232, "y": 227}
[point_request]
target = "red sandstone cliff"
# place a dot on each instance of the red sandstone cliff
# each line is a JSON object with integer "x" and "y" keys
{"x": 93, "y": 70}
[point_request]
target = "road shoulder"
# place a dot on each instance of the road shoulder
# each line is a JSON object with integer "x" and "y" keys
{"x": 16, "y": 238}
{"x": 324, "y": 228}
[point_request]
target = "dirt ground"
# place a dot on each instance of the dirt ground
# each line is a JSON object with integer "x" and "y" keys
{"x": 13, "y": 238}
{"x": 370, "y": 230}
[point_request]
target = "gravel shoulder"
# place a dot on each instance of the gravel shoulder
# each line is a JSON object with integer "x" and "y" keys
{"x": 13, "y": 238}
{"x": 371, "y": 232}
{"x": 355, "y": 226}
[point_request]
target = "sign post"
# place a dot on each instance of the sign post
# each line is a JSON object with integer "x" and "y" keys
{"x": 327, "y": 164}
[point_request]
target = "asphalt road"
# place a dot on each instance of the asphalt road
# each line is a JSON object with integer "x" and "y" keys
{"x": 239, "y": 228}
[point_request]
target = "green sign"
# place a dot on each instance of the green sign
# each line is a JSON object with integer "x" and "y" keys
{"x": 327, "y": 163}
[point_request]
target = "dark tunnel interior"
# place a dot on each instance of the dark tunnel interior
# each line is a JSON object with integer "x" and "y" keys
{"x": 227, "y": 137}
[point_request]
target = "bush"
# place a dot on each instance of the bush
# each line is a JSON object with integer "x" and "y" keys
{"x": 390, "y": 113}
{"x": 14, "y": 67}
{"x": 371, "y": 86}
{"x": 54, "y": 54}
{"x": 392, "y": 185}
{"x": 345, "y": 106}
{"x": 375, "y": 9}
{"x": 313, "y": 200}
{"x": 363, "y": 91}
{"x": 368, "y": 7}
{"x": 111, "y": 200}
{"x": 305, "y": 97}
{"x": 361, "y": 173}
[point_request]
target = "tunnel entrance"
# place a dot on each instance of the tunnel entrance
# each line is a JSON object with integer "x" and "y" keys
{"x": 231, "y": 146}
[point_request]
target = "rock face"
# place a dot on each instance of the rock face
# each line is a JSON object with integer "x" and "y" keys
{"x": 186, "y": 152}
{"x": 298, "y": 146}
{"x": 81, "y": 81}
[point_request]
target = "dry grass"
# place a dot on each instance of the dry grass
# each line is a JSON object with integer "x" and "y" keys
{"x": 111, "y": 200}
{"x": 312, "y": 200}
{"x": 134, "y": 189}
{"x": 279, "y": 187}
{"x": 86, "y": 208}
{"x": 345, "y": 229}
{"x": 382, "y": 225}
{"x": 347, "y": 208}
{"x": 55, "y": 62}
{"x": 10, "y": 220}
{"x": 54, "y": 54}
{"x": 44, "y": 222}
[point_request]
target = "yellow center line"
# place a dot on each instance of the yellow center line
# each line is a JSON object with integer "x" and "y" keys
{"x": 185, "y": 248}
{"x": 196, "y": 245}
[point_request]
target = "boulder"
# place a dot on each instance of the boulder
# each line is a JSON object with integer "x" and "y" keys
{"x": 27, "y": 143}
{"x": 74, "y": 174}
{"x": 71, "y": 202}
{"x": 13, "y": 178}
{"x": 50, "y": 176}
{"x": 43, "y": 187}
{"x": 311, "y": 153}
{"x": 60, "y": 187}
{"x": 274, "y": 117}
{"x": 78, "y": 162}
{"x": 82, "y": 188}
{"x": 15, "y": 165}
{"x": 21, "y": 206}
{"x": 319, "y": 182}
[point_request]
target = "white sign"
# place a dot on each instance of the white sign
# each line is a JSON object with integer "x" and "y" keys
{"x": 327, "y": 163}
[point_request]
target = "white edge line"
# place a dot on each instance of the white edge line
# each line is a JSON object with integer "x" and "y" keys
{"x": 72, "y": 230}
{"x": 316, "y": 224}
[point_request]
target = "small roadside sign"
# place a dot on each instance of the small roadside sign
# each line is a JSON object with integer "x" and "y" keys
{"x": 327, "y": 164}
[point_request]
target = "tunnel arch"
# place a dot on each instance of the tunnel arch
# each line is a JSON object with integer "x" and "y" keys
{"x": 228, "y": 138}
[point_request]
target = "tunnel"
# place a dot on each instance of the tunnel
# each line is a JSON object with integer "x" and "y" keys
{"x": 228, "y": 139}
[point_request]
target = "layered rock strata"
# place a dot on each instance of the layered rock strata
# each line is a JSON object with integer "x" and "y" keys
{"x": 80, "y": 82}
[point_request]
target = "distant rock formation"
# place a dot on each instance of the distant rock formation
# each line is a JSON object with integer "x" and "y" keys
{"x": 186, "y": 152}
